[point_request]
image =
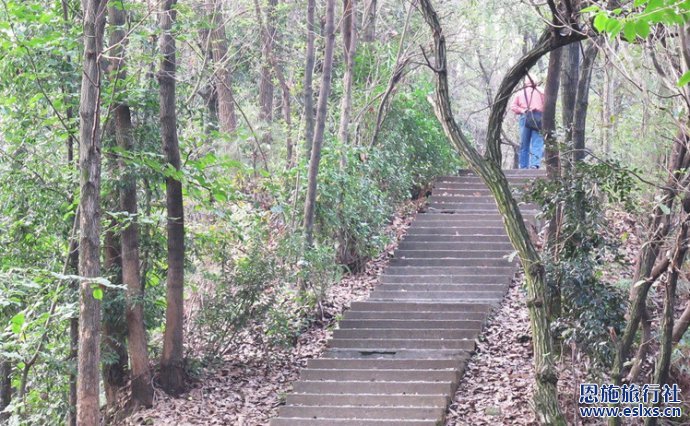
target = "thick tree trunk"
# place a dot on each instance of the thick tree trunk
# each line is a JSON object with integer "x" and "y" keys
{"x": 349, "y": 31}
{"x": 140, "y": 373}
{"x": 223, "y": 76}
{"x": 172, "y": 359}
{"x": 488, "y": 168}
{"x": 369, "y": 22}
{"x": 321, "y": 117}
{"x": 308, "y": 79}
{"x": 88, "y": 407}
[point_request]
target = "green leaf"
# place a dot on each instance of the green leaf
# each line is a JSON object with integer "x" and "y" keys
{"x": 600, "y": 21}
{"x": 98, "y": 293}
{"x": 642, "y": 29}
{"x": 613, "y": 27}
{"x": 629, "y": 31}
{"x": 684, "y": 80}
{"x": 17, "y": 322}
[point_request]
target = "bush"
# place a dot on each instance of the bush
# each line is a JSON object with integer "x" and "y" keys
{"x": 592, "y": 309}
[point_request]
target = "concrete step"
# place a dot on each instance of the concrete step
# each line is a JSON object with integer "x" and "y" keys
{"x": 397, "y": 354}
{"x": 370, "y": 400}
{"x": 450, "y": 270}
{"x": 436, "y": 238}
{"x": 385, "y": 364}
{"x": 282, "y": 421}
{"x": 465, "y": 206}
{"x": 411, "y": 324}
{"x": 484, "y": 199}
{"x": 450, "y": 262}
{"x": 419, "y": 307}
{"x": 491, "y": 296}
{"x": 476, "y": 246}
{"x": 369, "y": 387}
{"x": 455, "y": 230}
{"x": 444, "y": 217}
{"x": 379, "y": 375}
{"x": 335, "y": 412}
{"x": 466, "y": 278}
{"x": 401, "y": 315}
{"x": 451, "y": 254}
{"x": 397, "y": 333}
{"x": 393, "y": 344}
{"x": 436, "y": 287}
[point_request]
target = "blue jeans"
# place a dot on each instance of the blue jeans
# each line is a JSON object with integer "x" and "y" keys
{"x": 531, "y": 146}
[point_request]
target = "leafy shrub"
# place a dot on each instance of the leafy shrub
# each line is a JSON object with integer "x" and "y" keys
{"x": 592, "y": 310}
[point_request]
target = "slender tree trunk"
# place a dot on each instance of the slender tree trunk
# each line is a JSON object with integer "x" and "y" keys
{"x": 681, "y": 325}
{"x": 172, "y": 359}
{"x": 608, "y": 113}
{"x": 223, "y": 75}
{"x": 369, "y": 22}
{"x": 570, "y": 73}
{"x": 88, "y": 407}
{"x": 73, "y": 267}
{"x": 321, "y": 117}
{"x": 285, "y": 88}
{"x": 5, "y": 387}
{"x": 266, "y": 79}
{"x": 349, "y": 30}
{"x": 141, "y": 387}
{"x": 553, "y": 168}
{"x": 647, "y": 273}
{"x": 582, "y": 101}
{"x": 308, "y": 79}
{"x": 114, "y": 331}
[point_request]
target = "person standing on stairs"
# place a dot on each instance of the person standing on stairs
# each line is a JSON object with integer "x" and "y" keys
{"x": 528, "y": 104}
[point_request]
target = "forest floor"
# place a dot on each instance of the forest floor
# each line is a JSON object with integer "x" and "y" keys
{"x": 250, "y": 384}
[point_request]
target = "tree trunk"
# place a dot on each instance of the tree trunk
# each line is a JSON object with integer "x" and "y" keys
{"x": 321, "y": 117}
{"x": 349, "y": 30}
{"x": 266, "y": 80}
{"x": 285, "y": 89}
{"x": 308, "y": 79}
{"x": 681, "y": 325}
{"x": 553, "y": 168}
{"x": 140, "y": 374}
{"x": 223, "y": 77}
{"x": 114, "y": 331}
{"x": 488, "y": 168}
{"x": 88, "y": 407}
{"x": 582, "y": 101}
{"x": 647, "y": 273}
{"x": 369, "y": 24}
{"x": 172, "y": 359}
{"x": 5, "y": 387}
{"x": 608, "y": 113}
{"x": 663, "y": 363}
{"x": 570, "y": 73}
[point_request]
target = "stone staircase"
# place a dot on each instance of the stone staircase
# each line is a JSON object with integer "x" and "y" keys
{"x": 397, "y": 358}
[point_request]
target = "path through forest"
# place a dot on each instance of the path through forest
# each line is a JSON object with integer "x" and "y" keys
{"x": 397, "y": 358}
